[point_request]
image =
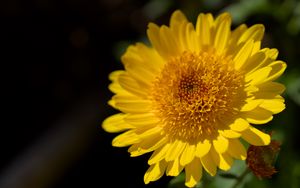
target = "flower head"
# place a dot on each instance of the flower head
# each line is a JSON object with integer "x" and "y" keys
{"x": 260, "y": 159}
{"x": 193, "y": 94}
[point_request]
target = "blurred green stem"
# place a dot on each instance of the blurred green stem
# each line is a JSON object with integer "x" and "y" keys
{"x": 241, "y": 178}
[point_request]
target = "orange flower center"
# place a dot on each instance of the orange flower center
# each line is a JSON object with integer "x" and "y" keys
{"x": 194, "y": 92}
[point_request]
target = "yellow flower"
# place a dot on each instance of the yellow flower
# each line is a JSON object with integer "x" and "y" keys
{"x": 193, "y": 94}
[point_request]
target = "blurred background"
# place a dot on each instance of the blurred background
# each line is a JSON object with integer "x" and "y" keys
{"x": 55, "y": 60}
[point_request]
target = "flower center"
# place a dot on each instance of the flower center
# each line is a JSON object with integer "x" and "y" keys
{"x": 195, "y": 92}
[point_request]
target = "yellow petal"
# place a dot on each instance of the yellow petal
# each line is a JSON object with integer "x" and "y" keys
{"x": 154, "y": 36}
{"x": 147, "y": 145}
{"x": 255, "y": 33}
{"x": 203, "y": 28}
{"x": 271, "y": 53}
{"x": 126, "y": 139}
{"x": 222, "y": 33}
{"x": 158, "y": 154}
{"x": 230, "y": 134}
{"x": 254, "y": 62}
{"x": 251, "y": 104}
{"x": 208, "y": 164}
{"x": 259, "y": 76}
{"x": 256, "y": 137}
{"x": 115, "y": 123}
{"x": 155, "y": 172}
{"x": 243, "y": 54}
{"x": 224, "y": 161}
{"x": 188, "y": 154}
{"x": 271, "y": 87}
{"x": 236, "y": 149}
{"x": 258, "y": 116}
{"x": 235, "y": 36}
{"x": 180, "y": 27}
{"x": 132, "y": 104}
{"x": 175, "y": 150}
{"x": 131, "y": 85}
{"x": 193, "y": 173}
{"x": 278, "y": 67}
{"x": 174, "y": 168}
{"x": 144, "y": 56}
{"x": 163, "y": 40}
{"x": 141, "y": 74}
{"x": 134, "y": 136}
{"x": 220, "y": 144}
{"x": 176, "y": 19}
{"x": 115, "y": 86}
{"x": 203, "y": 148}
{"x": 191, "y": 38}
{"x": 113, "y": 76}
{"x": 146, "y": 131}
{"x": 169, "y": 43}
{"x": 239, "y": 125}
{"x": 273, "y": 105}
{"x": 117, "y": 89}
{"x": 256, "y": 47}
{"x": 260, "y": 59}
{"x": 141, "y": 119}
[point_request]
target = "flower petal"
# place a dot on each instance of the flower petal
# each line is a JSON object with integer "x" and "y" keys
{"x": 273, "y": 88}
{"x": 236, "y": 149}
{"x": 250, "y": 105}
{"x": 239, "y": 125}
{"x": 163, "y": 40}
{"x": 203, "y": 28}
{"x": 278, "y": 67}
{"x": 203, "y": 148}
{"x": 256, "y": 137}
{"x": 177, "y": 18}
{"x": 155, "y": 172}
{"x": 174, "y": 168}
{"x": 275, "y": 105}
{"x": 158, "y": 154}
{"x": 140, "y": 73}
{"x": 141, "y": 119}
{"x": 222, "y": 33}
{"x": 235, "y": 35}
{"x": 191, "y": 38}
{"x": 115, "y": 123}
{"x": 188, "y": 154}
{"x": 208, "y": 164}
{"x": 224, "y": 161}
{"x": 254, "y": 62}
{"x": 243, "y": 54}
{"x": 147, "y": 145}
{"x": 132, "y": 104}
{"x": 255, "y": 33}
{"x": 193, "y": 173}
{"x": 130, "y": 85}
{"x": 115, "y": 86}
{"x": 113, "y": 76}
{"x": 259, "y": 76}
{"x": 126, "y": 139}
{"x": 230, "y": 133}
{"x": 258, "y": 116}
{"x": 175, "y": 150}
{"x": 220, "y": 144}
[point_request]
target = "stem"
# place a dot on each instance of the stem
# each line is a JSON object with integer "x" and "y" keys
{"x": 240, "y": 178}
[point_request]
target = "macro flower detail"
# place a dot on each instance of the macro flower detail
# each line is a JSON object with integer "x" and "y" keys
{"x": 260, "y": 159}
{"x": 192, "y": 95}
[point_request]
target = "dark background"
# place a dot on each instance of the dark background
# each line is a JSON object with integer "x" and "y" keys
{"x": 56, "y": 57}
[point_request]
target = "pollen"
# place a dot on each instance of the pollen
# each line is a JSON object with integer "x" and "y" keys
{"x": 194, "y": 92}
